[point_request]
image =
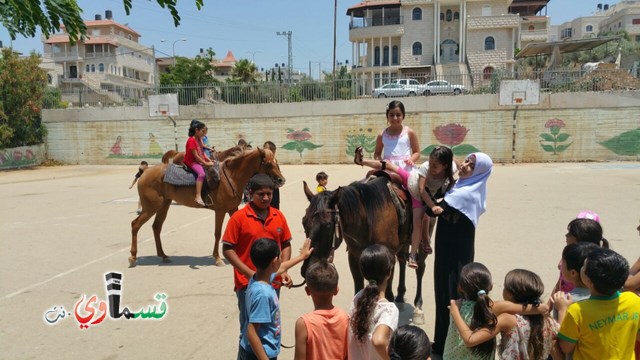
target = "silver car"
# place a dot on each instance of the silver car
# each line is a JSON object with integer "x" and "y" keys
{"x": 443, "y": 87}
{"x": 392, "y": 90}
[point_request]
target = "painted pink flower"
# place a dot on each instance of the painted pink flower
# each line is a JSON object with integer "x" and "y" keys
{"x": 17, "y": 155}
{"x": 555, "y": 122}
{"x": 29, "y": 154}
{"x": 450, "y": 134}
{"x": 299, "y": 135}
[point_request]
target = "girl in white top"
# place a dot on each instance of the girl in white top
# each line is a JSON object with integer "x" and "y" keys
{"x": 373, "y": 318}
{"x": 399, "y": 142}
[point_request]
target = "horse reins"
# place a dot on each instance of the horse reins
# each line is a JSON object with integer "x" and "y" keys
{"x": 224, "y": 171}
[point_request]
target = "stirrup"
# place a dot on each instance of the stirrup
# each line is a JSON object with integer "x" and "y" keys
{"x": 384, "y": 165}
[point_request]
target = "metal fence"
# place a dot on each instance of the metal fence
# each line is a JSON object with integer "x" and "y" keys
{"x": 274, "y": 92}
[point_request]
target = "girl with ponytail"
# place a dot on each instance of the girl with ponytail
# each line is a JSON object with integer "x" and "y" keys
{"x": 473, "y": 325}
{"x": 373, "y": 317}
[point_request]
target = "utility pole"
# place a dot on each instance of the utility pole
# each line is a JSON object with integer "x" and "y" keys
{"x": 290, "y": 53}
{"x": 335, "y": 12}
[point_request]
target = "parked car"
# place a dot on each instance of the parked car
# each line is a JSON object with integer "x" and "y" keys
{"x": 412, "y": 84}
{"x": 443, "y": 87}
{"x": 393, "y": 90}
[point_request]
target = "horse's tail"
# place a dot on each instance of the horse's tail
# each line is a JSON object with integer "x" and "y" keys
{"x": 168, "y": 155}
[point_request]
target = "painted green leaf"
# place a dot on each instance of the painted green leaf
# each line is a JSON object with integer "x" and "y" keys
{"x": 309, "y": 145}
{"x": 547, "y": 148}
{"x": 427, "y": 151}
{"x": 562, "y": 137}
{"x": 290, "y": 145}
{"x": 547, "y": 137}
{"x": 555, "y": 130}
{"x": 306, "y": 129}
{"x": 464, "y": 150}
{"x": 290, "y": 130}
{"x": 561, "y": 148}
{"x": 627, "y": 143}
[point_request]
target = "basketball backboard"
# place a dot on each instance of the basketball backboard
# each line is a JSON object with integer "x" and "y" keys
{"x": 163, "y": 105}
{"x": 519, "y": 92}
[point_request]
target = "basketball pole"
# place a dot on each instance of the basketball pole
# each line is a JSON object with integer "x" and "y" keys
{"x": 175, "y": 131}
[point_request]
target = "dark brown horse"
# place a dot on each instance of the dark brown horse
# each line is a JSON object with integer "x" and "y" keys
{"x": 362, "y": 214}
{"x": 235, "y": 171}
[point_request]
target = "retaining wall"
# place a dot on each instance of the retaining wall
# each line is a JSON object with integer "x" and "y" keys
{"x": 563, "y": 127}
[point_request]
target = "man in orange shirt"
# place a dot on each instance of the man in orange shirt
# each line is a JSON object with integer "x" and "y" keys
{"x": 256, "y": 220}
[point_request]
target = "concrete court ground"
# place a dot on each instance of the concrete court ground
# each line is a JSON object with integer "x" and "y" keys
{"x": 63, "y": 228}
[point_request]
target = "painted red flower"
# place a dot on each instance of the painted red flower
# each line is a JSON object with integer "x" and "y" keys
{"x": 555, "y": 122}
{"x": 299, "y": 135}
{"x": 17, "y": 155}
{"x": 450, "y": 134}
{"x": 29, "y": 154}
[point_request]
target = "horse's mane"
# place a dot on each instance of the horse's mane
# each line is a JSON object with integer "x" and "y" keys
{"x": 373, "y": 196}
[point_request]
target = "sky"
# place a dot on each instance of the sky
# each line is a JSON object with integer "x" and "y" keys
{"x": 248, "y": 28}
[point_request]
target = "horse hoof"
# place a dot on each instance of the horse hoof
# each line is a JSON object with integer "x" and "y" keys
{"x": 418, "y": 317}
{"x": 132, "y": 261}
{"x": 166, "y": 260}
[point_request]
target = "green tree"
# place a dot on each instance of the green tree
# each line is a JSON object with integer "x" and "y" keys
{"x": 244, "y": 72}
{"x": 199, "y": 70}
{"x": 24, "y": 17}
{"x": 22, "y": 88}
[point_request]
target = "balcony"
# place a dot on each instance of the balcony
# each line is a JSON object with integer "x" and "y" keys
{"x": 363, "y": 28}
{"x": 537, "y": 35}
{"x": 375, "y": 21}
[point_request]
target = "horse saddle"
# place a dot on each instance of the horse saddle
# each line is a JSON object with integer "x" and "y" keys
{"x": 393, "y": 178}
{"x": 182, "y": 175}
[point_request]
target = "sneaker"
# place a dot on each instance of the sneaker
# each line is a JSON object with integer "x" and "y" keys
{"x": 358, "y": 156}
{"x": 413, "y": 261}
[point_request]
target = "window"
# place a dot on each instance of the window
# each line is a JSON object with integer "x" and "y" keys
{"x": 95, "y": 32}
{"x": 87, "y": 68}
{"x": 49, "y": 79}
{"x": 56, "y": 48}
{"x": 394, "y": 55}
{"x": 489, "y": 43}
{"x": 635, "y": 21}
{"x": 456, "y": 16}
{"x": 385, "y": 56}
{"x": 487, "y": 73}
{"x": 589, "y": 28}
{"x": 638, "y": 38}
{"x": 93, "y": 67}
{"x": 532, "y": 28}
{"x": 417, "y": 48}
{"x": 449, "y": 15}
{"x": 101, "y": 67}
{"x": 486, "y": 10}
{"x": 416, "y": 14}
{"x": 441, "y": 16}
{"x": 376, "y": 56}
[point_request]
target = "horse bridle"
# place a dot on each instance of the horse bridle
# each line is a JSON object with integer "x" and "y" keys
{"x": 224, "y": 172}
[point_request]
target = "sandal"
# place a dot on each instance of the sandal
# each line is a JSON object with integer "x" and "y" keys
{"x": 357, "y": 159}
{"x": 200, "y": 202}
{"x": 413, "y": 261}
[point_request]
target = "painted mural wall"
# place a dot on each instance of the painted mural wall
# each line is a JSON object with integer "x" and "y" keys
{"x": 21, "y": 157}
{"x": 564, "y": 127}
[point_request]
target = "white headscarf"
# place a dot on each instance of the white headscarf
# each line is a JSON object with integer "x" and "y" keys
{"x": 469, "y": 195}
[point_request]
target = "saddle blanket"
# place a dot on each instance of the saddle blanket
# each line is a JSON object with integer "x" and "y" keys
{"x": 177, "y": 175}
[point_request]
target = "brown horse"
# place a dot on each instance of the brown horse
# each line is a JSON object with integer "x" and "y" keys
{"x": 235, "y": 171}
{"x": 362, "y": 214}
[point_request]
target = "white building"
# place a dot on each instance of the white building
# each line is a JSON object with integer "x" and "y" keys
{"x": 443, "y": 39}
{"x": 110, "y": 64}
{"x": 623, "y": 16}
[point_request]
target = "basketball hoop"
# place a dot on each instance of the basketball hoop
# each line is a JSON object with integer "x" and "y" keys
{"x": 518, "y": 100}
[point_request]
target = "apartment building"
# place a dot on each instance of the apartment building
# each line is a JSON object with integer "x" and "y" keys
{"x": 109, "y": 64}
{"x": 439, "y": 39}
{"x": 623, "y": 16}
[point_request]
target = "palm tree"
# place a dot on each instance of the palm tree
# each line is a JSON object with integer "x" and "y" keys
{"x": 244, "y": 71}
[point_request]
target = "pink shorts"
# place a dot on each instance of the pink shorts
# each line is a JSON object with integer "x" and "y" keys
{"x": 404, "y": 175}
